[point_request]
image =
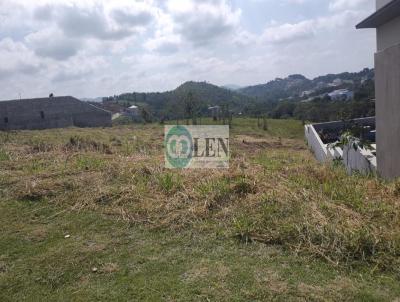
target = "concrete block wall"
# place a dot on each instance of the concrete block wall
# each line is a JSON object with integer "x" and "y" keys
{"x": 58, "y": 112}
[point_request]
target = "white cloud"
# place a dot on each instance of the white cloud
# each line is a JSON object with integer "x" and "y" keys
{"x": 203, "y": 21}
{"x": 51, "y": 43}
{"x": 16, "y": 59}
{"x": 103, "y": 47}
{"x": 290, "y": 33}
{"x": 336, "y": 5}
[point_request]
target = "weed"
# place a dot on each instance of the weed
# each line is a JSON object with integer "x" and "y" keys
{"x": 87, "y": 163}
{"x": 244, "y": 186}
{"x": 221, "y": 192}
{"x": 4, "y": 155}
{"x": 35, "y": 166}
{"x": 5, "y": 137}
{"x": 116, "y": 141}
{"x": 78, "y": 143}
{"x": 397, "y": 188}
{"x": 243, "y": 225}
{"x": 169, "y": 183}
{"x": 38, "y": 146}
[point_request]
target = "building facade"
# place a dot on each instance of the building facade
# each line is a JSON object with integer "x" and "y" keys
{"x": 52, "y": 112}
{"x": 386, "y": 20}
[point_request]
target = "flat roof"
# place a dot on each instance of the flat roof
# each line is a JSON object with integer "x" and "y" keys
{"x": 382, "y": 16}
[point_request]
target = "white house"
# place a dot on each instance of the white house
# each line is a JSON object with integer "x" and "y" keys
{"x": 307, "y": 93}
{"x": 341, "y": 95}
{"x": 133, "y": 110}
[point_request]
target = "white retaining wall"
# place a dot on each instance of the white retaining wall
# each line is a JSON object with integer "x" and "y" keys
{"x": 354, "y": 160}
{"x": 360, "y": 160}
{"x": 315, "y": 143}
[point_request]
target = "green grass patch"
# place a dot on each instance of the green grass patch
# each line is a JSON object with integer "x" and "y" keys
{"x": 4, "y": 155}
{"x": 90, "y": 162}
{"x": 105, "y": 259}
{"x": 169, "y": 183}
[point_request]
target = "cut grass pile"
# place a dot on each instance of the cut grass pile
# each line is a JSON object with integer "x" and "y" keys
{"x": 274, "y": 195}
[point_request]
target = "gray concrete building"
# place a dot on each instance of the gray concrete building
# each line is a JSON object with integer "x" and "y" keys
{"x": 386, "y": 20}
{"x": 52, "y": 112}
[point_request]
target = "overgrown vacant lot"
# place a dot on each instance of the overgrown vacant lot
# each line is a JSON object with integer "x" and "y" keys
{"x": 91, "y": 214}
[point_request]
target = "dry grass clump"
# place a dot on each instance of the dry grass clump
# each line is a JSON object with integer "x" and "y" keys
{"x": 78, "y": 143}
{"x": 330, "y": 215}
{"x": 41, "y": 147}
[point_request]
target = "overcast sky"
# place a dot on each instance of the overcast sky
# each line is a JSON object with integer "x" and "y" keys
{"x": 97, "y": 48}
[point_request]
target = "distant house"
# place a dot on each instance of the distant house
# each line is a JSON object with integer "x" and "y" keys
{"x": 336, "y": 82}
{"x": 341, "y": 95}
{"x": 306, "y": 93}
{"x": 51, "y": 112}
{"x": 386, "y": 20}
{"x": 133, "y": 111}
{"x": 215, "y": 112}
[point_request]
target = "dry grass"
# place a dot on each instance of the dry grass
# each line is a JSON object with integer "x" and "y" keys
{"x": 274, "y": 191}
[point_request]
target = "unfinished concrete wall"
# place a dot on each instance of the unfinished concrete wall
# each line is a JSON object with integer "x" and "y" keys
{"x": 360, "y": 160}
{"x": 388, "y": 34}
{"x": 48, "y": 113}
{"x": 387, "y": 82}
{"x": 364, "y": 121}
{"x": 382, "y": 3}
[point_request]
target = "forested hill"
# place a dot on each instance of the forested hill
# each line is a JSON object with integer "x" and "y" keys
{"x": 294, "y": 85}
{"x": 294, "y": 96}
{"x": 170, "y": 103}
{"x": 212, "y": 94}
{"x": 278, "y": 88}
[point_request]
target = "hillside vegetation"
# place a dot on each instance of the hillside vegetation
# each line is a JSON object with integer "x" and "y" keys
{"x": 280, "y": 98}
{"x": 294, "y": 85}
{"x": 170, "y": 104}
{"x": 92, "y": 214}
